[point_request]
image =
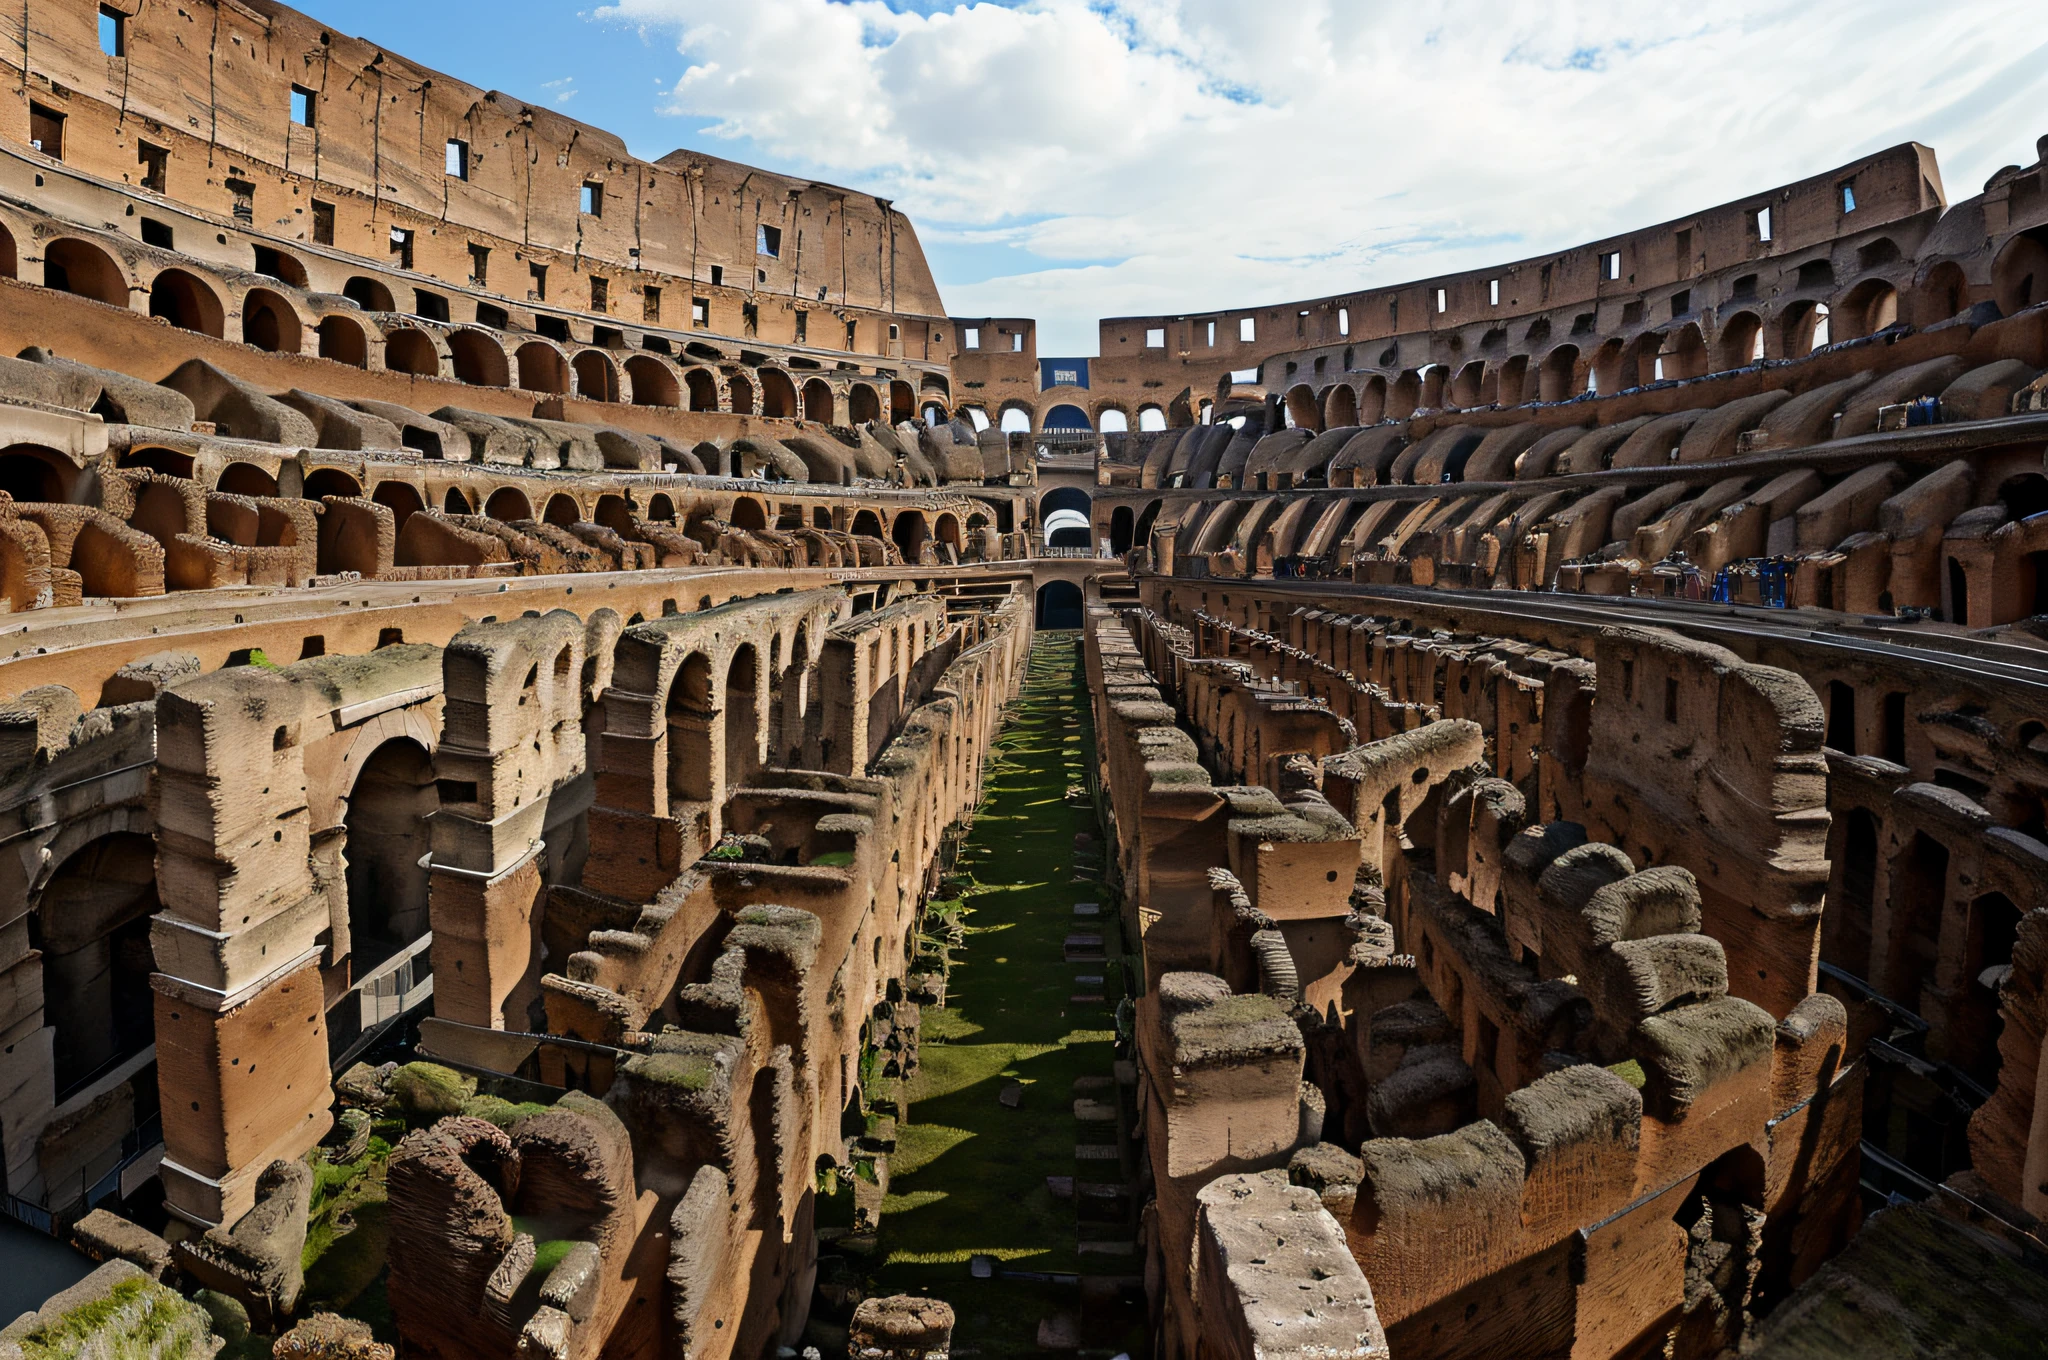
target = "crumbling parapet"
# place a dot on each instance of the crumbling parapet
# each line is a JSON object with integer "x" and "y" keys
{"x": 1274, "y": 1278}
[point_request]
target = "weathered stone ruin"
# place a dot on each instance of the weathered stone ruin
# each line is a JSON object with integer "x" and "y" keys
{"x": 500, "y": 692}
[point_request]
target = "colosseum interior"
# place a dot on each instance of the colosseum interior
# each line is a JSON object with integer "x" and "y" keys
{"x": 466, "y": 546}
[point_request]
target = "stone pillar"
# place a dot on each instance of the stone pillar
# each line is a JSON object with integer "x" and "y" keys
{"x": 241, "y": 1029}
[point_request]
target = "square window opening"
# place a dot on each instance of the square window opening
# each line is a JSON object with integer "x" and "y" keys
{"x": 158, "y": 234}
{"x": 538, "y": 286}
{"x": 593, "y": 198}
{"x": 700, "y": 311}
{"x": 458, "y": 159}
{"x": 46, "y": 131}
{"x": 1247, "y": 331}
{"x": 718, "y": 276}
{"x": 1610, "y": 266}
{"x": 768, "y": 241}
{"x": 1155, "y": 338}
{"x": 156, "y": 166}
{"x": 303, "y": 106}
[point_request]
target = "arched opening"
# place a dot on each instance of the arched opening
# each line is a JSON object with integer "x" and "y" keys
{"x": 1806, "y": 329}
{"x": 614, "y": 513}
{"x": 9, "y": 262}
{"x": 749, "y": 514}
{"x": 742, "y": 718}
{"x": 269, "y": 323}
{"x": 1555, "y": 380}
{"x": 866, "y": 524}
{"x": 246, "y": 479}
{"x": 369, "y": 295}
{"x": 542, "y": 368}
{"x": 688, "y": 715}
{"x": 167, "y": 461}
{"x": 479, "y": 359}
{"x": 1066, "y": 416}
{"x": 933, "y": 413}
{"x": 741, "y": 394}
{"x": 455, "y": 503}
{"x": 596, "y": 378}
{"x": 1958, "y": 593}
{"x": 1405, "y": 395}
{"x": 1121, "y": 533}
{"x": 1941, "y": 295}
{"x": 778, "y": 395}
{"x": 1606, "y": 376}
{"x": 1919, "y": 888}
{"x": 660, "y": 507}
{"x": 863, "y": 405}
{"x": 1113, "y": 421}
{"x": 1059, "y": 605}
{"x": 562, "y": 510}
{"x": 1435, "y": 377}
{"x": 386, "y": 847}
{"x": 654, "y": 384}
{"x": 1340, "y": 407}
{"x": 1015, "y": 420}
{"x": 1066, "y": 529}
{"x": 91, "y": 924}
{"x": 903, "y": 403}
{"x": 818, "y": 401}
{"x": 1372, "y": 401}
{"x": 188, "y": 304}
{"x": 1993, "y": 930}
{"x": 1467, "y": 386}
{"x": 909, "y": 533}
{"x": 2019, "y": 276}
{"x": 410, "y": 351}
{"x": 29, "y": 472}
{"x": 1684, "y": 354}
{"x": 1511, "y": 386}
{"x": 401, "y": 498}
{"x": 76, "y": 267}
{"x": 509, "y": 504}
{"x": 1870, "y": 307}
{"x": 280, "y": 266}
{"x": 343, "y": 341}
{"x": 947, "y": 531}
{"x": 1742, "y": 342}
{"x": 703, "y": 389}
{"x": 1151, "y": 419}
{"x": 330, "y": 482}
{"x": 1841, "y": 732}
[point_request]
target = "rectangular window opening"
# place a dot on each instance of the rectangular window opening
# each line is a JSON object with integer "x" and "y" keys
{"x": 458, "y": 159}
{"x": 401, "y": 246}
{"x": 1443, "y": 301}
{"x": 718, "y": 276}
{"x": 158, "y": 234}
{"x": 1610, "y": 266}
{"x": 1017, "y": 343}
{"x": 479, "y": 265}
{"x": 600, "y": 294}
{"x": 1155, "y": 338}
{"x": 302, "y": 106}
{"x": 853, "y": 335}
{"x": 700, "y": 311}
{"x": 768, "y": 241}
{"x": 46, "y": 131}
{"x": 323, "y": 223}
{"x": 1684, "y": 252}
{"x": 113, "y": 32}
{"x": 1247, "y": 331}
{"x": 538, "y": 288}
{"x": 156, "y": 166}
{"x": 970, "y": 337}
{"x": 1212, "y": 335}
{"x": 1762, "y": 223}
{"x": 803, "y": 328}
{"x": 1493, "y": 292}
{"x": 650, "y": 305}
{"x": 245, "y": 199}
{"x": 429, "y": 306}
{"x": 1849, "y": 196}
{"x": 895, "y": 333}
{"x": 1343, "y": 321}
{"x": 593, "y": 198}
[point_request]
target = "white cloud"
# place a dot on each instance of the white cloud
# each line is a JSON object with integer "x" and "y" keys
{"x": 1221, "y": 153}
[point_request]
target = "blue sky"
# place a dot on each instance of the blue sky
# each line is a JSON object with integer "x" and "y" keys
{"x": 1073, "y": 159}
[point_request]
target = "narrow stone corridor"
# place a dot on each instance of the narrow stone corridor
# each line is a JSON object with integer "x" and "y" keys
{"x": 1011, "y": 1186}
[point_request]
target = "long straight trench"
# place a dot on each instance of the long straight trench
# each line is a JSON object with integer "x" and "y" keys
{"x": 1017, "y": 1144}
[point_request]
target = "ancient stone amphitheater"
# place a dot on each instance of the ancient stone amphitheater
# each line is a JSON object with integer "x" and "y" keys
{"x": 567, "y": 790}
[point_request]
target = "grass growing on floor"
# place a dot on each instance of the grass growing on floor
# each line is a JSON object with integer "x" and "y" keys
{"x": 968, "y": 1175}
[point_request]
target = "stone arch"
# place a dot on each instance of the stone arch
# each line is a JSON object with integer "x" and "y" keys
{"x": 1866, "y": 309}
{"x": 562, "y": 510}
{"x": 1121, "y": 530}
{"x": 742, "y": 717}
{"x": 401, "y": 498}
{"x": 245, "y": 479}
{"x": 542, "y": 368}
{"x": 386, "y": 825}
{"x": 660, "y": 506}
{"x": 1152, "y": 418}
{"x": 187, "y": 302}
{"x": 748, "y": 514}
{"x": 1511, "y": 382}
{"x": 1372, "y": 401}
{"x": 866, "y": 523}
{"x": 1066, "y": 416}
{"x": 31, "y": 472}
{"x": 270, "y": 323}
{"x": 456, "y": 503}
{"x": 2019, "y": 274}
{"x": 508, "y": 503}
{"x": 1405, "y": 396}
{"x": 1014, "y": 418}
{"x": 1944, "y": 293}
{"x": 84, "y": 270}
{"x": 902, "y": 402}
{"x": 740, "y": 394}
{"x": 778, "y": 394}
{"x": 343, "y": 341}
{"x": 863, "y": 405}
{"x": 91, "y": 924}
{"x": 410, "y": 351}
{"x": 330, "y": 482}
{"x": 1804, "y": 328}
{"x": 654, "y": 384}
{"x": 909, "y": 531}
{"x": 479, "y": 359}
{"x": 1557, "y": 380}
{"x": 688, "y": 712}
{"x": 818, "y": 404}
{"x": 947, "y": 530}
{"x": 703, "y": 389}
{"x": 369, "y": 295}
{"x": 10, "y": 260}
{"x": 1741, "y": 342}
{"x": 1468, "y": 386}
{"x": 1059, "y": 605}
{"x": 1302, "y": 413}
{"x": 1607, "y": 377}
{"x": 597, "y": 378}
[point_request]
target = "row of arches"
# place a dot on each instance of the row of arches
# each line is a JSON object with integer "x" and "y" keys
{"x": 475, "y": 356}
{"x": 1017, "y": 417}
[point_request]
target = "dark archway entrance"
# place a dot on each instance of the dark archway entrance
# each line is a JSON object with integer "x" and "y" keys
{"x": 1059, "y": 605}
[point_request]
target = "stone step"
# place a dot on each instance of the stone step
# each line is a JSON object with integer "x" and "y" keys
{"x": 1087, "y": 979}
{"x": 1092, "y": 1084}
{"x": 1060, "y": 1187}
{"x": 1085, "y": 999}
{"x": 1094, "y": 1112}
{"x": 1097, "y": 1152}
{"x": 1125, "y": 1248}
{"x": 1012, "y": 1095}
